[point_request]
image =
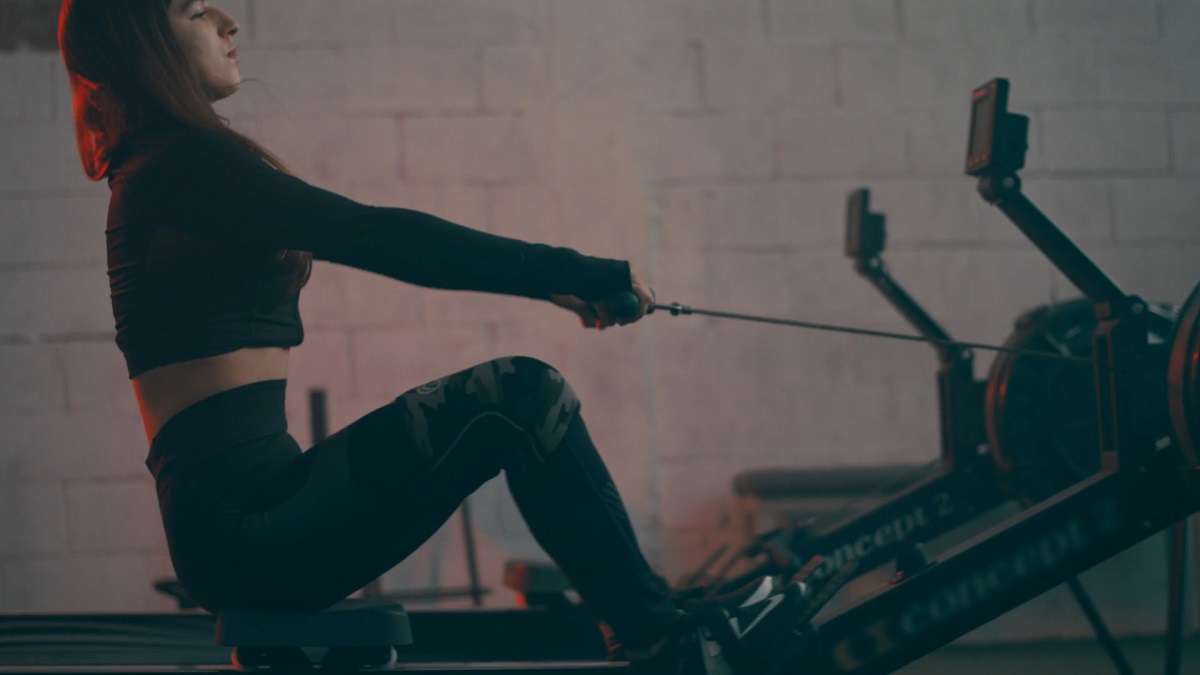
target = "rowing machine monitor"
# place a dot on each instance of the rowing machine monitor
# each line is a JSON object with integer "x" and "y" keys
{"x": 998, "y": 138}
{"x": 865, "y": 233}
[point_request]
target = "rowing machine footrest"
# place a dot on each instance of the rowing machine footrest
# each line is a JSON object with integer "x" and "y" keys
{"x": 353, "y": 626}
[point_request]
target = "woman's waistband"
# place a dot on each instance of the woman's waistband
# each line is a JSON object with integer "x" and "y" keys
{"x": 225, "y": 420}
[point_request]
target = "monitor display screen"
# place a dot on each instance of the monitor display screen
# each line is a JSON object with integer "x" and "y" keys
{"x": 983, "y": 119}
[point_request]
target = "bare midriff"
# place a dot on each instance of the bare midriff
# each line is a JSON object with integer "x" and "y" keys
{"x": 164, "y": 391}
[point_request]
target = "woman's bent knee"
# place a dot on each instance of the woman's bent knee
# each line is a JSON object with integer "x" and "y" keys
{"x": 537, "y": 397}
{"x": 530, "y": 396}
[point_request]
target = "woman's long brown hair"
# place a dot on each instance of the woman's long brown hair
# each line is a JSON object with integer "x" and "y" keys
{"x": 125, "y": 67}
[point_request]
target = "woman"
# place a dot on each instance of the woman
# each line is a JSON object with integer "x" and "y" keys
{"x": 210, "y": 240}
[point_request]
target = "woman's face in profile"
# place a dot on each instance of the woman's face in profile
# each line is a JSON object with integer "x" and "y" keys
{"x": 206, "y": 35}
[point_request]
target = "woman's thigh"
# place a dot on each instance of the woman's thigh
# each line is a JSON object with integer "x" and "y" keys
{"x": 359, "y": 502}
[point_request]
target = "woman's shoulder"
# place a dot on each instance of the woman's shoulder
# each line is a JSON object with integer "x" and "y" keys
{"x": 186, "y": 142}
{"x": 180, "y": 149}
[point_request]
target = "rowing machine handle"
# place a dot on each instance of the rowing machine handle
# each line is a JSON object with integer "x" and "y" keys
{"x": 624, "y": 304}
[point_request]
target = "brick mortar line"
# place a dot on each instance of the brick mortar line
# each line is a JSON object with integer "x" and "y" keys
{"x": 775, "y": 153}
{"x": 767, "y": 176}
{"x": 948, "y": 176}
{"x": 252, "y": 19}
{"x": 103, "y": 337}
{"x": 938, "y": 179}
{"x": 77, "y": 556}
{"x": 428, "y": 114}
{"x": 1110, "y": 203}
{"x": 49, "y": 194}
{"x": 1114, "y": 106}
{"x": 481, "y": 103}
{"x": 289, "y": 47}
{"x": 839, "y": 91}
{"x": 1171, "y": 150}
{"x": 700, "y": 67}
{"x": 981, "y": 246}
{"x": 402, "y": 153}
{"x": 902, "y": 244}
{"x": 139, "y": 479}
{"x": 705, "y": 111}
{"x": 910, "y": 147}
{"x": 96, "y": 264}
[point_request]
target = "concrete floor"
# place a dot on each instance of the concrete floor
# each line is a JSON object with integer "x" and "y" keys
{"x": 1145, "y": 655}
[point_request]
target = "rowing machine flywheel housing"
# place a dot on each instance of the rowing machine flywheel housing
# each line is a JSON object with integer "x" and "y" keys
{"x": 1040, "y": 412}
{"x": 1183, "y": 379}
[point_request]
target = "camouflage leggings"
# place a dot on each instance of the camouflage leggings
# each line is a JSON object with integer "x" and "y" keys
{"x": 253, "y": 521}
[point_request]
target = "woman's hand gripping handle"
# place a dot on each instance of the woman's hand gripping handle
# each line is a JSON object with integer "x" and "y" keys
{"x": 618, "y": 309}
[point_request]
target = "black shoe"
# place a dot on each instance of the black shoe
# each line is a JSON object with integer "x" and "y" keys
{"x": 716, "y": 640}
{"x": 755, "y": 591}
{"x": 694, "y": 598}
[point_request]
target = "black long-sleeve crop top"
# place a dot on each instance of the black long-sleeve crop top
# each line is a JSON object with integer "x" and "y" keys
{"x": 194, "y": 217}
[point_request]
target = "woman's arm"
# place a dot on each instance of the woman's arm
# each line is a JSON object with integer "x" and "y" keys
{"x": 212, "y": 186}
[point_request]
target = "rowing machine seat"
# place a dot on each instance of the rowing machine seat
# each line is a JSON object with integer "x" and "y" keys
{"x": 358, "y": 632}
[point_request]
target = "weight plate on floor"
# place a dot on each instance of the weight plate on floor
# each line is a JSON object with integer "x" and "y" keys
{"x": 1183, "y": 379}
{"x": 1040, "y": 412}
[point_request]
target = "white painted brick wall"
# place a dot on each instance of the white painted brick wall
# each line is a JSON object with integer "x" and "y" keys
{"x": 475, "y": 149}
{"x": 1108, "y": 18}
{"x": 852, "y": 21}
{"x": 921, "y": 76}
{"x": 389, "y": 362}
{"x": 444, "y": 80}
{"x": 514, "y": 78}
{"x": 40, "y": 157}
{"x": 786, "y": 76}
{"x": 34, "y": 381}
{"x": 952, "y": 21}
{"x": 1141, "y": 74}
{"x": 710, "y": 142}
{"x": 1083, "y": 209}
{"x": 1133, "y": 140}
{"x": 1163, "y": 272}
{"x": 488, "y": 23}
{"x": 61, "y": 92}
{"x": 681, "y": 20}
{"x": 31, "y": 75}
{"x": 271, "y": 88}
{"x": 760, "y": 216}
{"x": 287, "y": 23}
{"x": 1185, "y": 136}
{"x": 694, "y": 492}
{"x": 711, "y": 147}
{"x": 937, "y": 143}
{"x": 91, "y": 368}
{"x": 1157, "y": 210}
{"x": 54, "y": 446}
{"x": 841, "y": 144}
{"x": 34, "y": 520}
{"x": 54, "y": 231}
{"x": 920, "y": 213}
{"x": 80, "y": 583}
{"x": 667, "y": 79}
{"x": 38, "y": 302}
{"x": 1179, "y": 18}
{"x": 114, "y": 517}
